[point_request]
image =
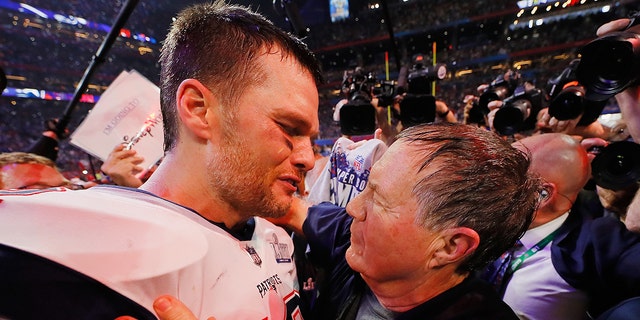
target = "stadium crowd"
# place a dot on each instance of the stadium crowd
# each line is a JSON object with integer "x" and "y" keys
{"x": 474, "y": 36}
{"x": 480, "y": 213}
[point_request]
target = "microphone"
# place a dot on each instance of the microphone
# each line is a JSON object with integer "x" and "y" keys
{"x": 293, "y": 15}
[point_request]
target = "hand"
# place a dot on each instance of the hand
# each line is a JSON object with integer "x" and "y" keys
{"x": 122, "y": 166}
{"x": 617, "y": 201}
{"x": 612, "y": 26}
{"x": 295, "y": 217}
{"x": 589, "y": 143}
{"x": 547, "y": 123}
{"x": 169, "y": 308}
{"x": 51, "y": 129}
{"x": 495, "y": 104}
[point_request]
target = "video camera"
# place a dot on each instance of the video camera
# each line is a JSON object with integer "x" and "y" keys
{"x": 358, "y": 116}
{"x": 517, "y": 109}
{"x": 611, "y": 63}
{"x": 568, "y": 100}
{"x": 418, "y": 105}
{"x": 617, "y": 166}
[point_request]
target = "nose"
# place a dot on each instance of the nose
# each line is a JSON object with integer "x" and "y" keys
{"x": 302, "y": 155}
{"x": 356, "y": 208}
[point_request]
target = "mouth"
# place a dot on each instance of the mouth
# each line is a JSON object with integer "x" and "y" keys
{"x": 291, "y": 180}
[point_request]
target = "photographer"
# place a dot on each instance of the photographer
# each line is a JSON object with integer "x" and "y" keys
{"x": 569, "y": 111}
{"x": 371, "y": 103}
{"x": 390, "y": 128}
{"x": 629, "y": 99}
{"x": 355, "y": 112}
{"x": 629, "y": 103}
{"x": 515, "y": 116}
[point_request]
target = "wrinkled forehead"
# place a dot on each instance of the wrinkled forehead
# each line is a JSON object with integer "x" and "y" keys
{"x": 401, "y": 158}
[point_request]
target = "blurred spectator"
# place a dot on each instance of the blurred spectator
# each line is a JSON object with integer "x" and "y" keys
{"x": 20, "y": 170}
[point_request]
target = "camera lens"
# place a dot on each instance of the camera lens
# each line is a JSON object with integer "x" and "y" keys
{"x": 509, "y": 119}
{"x": 617, "y": 166}
{"x": 568, "y": 104}
{"x": 609, "y": 65}
{"x": 492, "y": 94}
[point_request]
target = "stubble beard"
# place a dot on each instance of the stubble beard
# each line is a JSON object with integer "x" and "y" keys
{"x": 243, "y": 183}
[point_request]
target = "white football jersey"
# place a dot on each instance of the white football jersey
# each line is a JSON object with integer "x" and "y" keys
{"x": 143, "y": 246}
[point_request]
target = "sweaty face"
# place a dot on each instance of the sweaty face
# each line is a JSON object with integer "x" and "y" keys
{"x": 31, "y": 176}
{"x": 386, "y": 242}
{"x": 267, "y": 147}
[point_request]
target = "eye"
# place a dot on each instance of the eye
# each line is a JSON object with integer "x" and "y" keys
{"x": 287, "y": 129}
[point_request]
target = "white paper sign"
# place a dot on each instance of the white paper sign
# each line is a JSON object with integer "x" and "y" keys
{"x": 128, "y": 112}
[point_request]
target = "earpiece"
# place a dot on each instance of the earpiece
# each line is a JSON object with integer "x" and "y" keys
{"x": 544, "y": 194}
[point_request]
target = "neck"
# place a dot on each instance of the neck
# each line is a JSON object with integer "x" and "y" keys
{"x": 405, "y": 294}
{"x": 545, "y": 216}
{"x": 189, "y": 188}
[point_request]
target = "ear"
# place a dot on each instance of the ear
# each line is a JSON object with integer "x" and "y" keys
{"x": 456, "y": 245}
{"x": 196, "y": 105}
{"x": 547, "y": 192}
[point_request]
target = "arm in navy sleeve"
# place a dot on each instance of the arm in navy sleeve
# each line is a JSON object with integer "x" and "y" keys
{"x": 327, "y": 231}
{"x": 599, "y": 256}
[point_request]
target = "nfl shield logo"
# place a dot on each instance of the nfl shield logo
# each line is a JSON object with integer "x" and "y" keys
{"x": 253, "y": 254}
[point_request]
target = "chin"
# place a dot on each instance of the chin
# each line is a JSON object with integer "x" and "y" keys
{"x": 278, "y": 208}
{"x": 353, "y": 260}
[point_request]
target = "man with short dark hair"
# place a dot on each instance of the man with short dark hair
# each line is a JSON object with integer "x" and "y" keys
{"x": 239, "y": 103}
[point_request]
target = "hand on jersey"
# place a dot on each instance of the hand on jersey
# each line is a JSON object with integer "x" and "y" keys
{"x": 169, "y": 308}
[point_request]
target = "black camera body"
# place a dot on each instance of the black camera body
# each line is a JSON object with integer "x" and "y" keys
{"x": 358, "y": 116}
{"x": 3, "y": 80}
{"x": 419, "y": 105}
{"x": 568, "y": 98}
{"x": 517, "y": 110}
{"x": 611, "y": 63}
{"x": 499, "y": 89}
{"x": 420, "y": 77}
{"x": 617, "y": 166}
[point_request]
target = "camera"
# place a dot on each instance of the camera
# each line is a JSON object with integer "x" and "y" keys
{"x": 517, "y": 109}
{"x": 617, "y": 166}
{"x": 499, "y": 89}
{"x": 420, "y": 76}
{"x": 568, "y": 98}
{"x": 418, "y": 105}
{"x": 358, "y": 116}
{"x": 611, "y": 63}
